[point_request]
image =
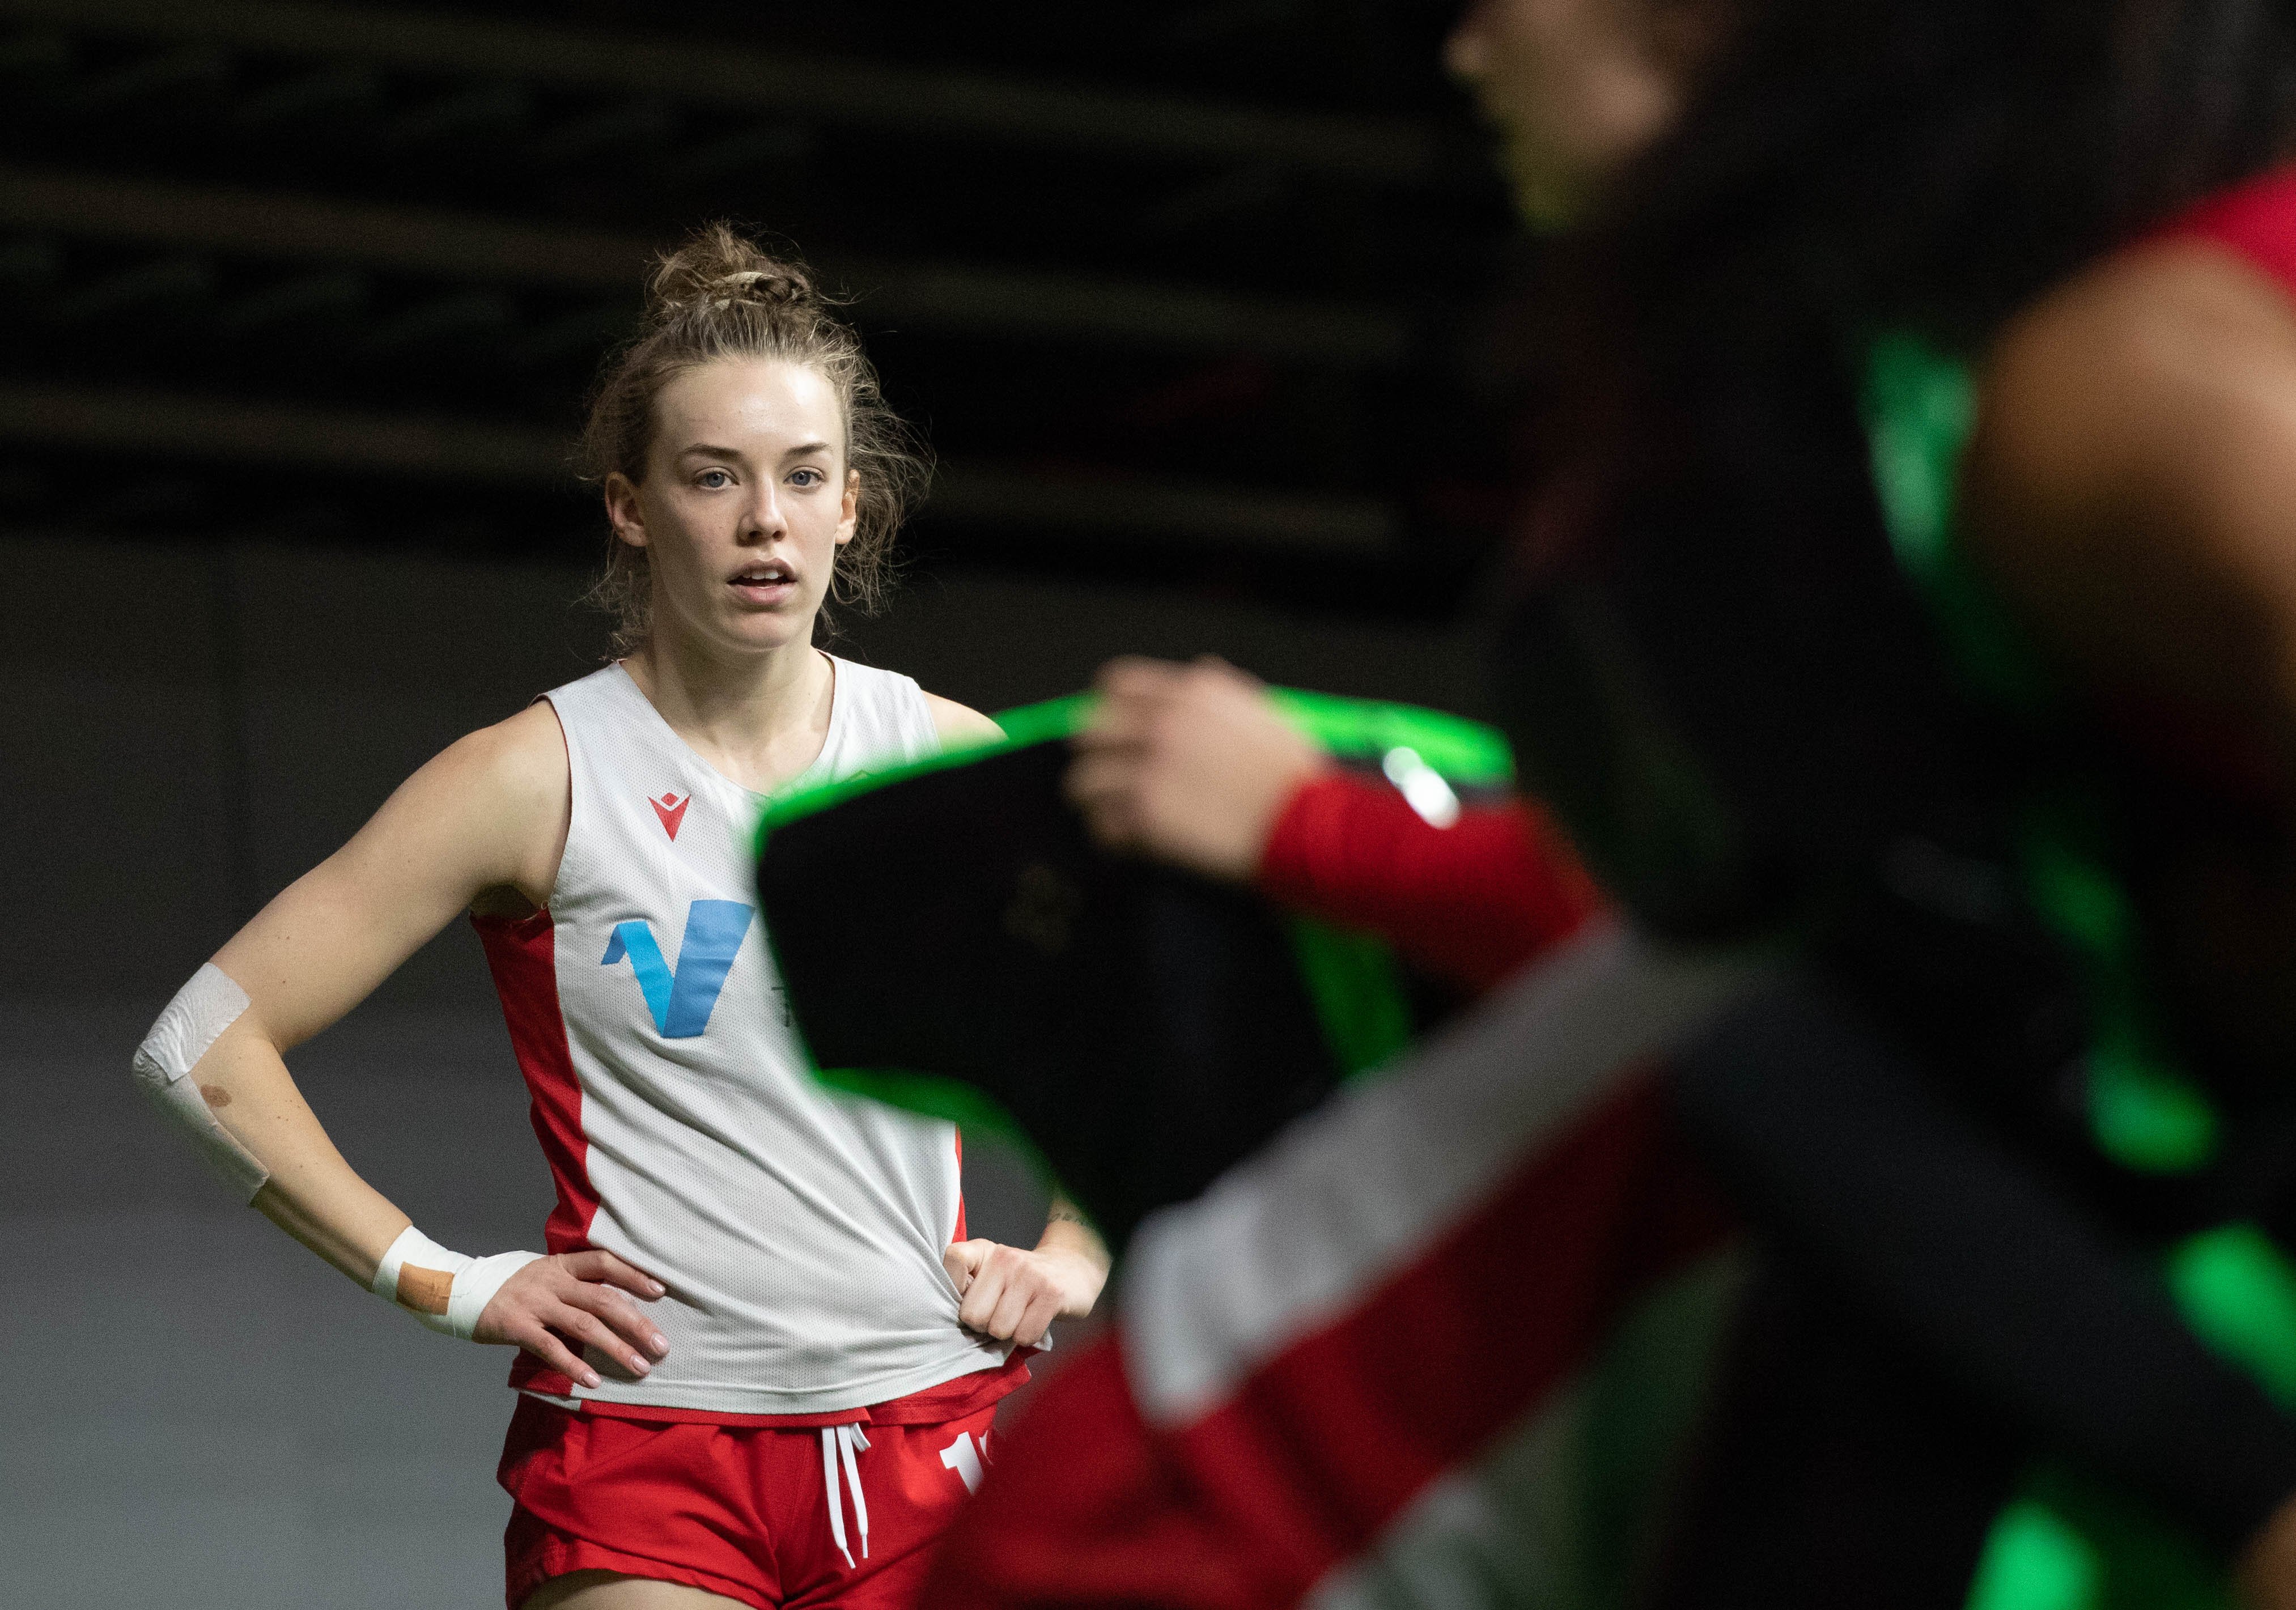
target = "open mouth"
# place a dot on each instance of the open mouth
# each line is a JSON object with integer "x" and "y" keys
{"x": 767, "y": 581}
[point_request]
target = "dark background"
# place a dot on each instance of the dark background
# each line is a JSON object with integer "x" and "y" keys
{"x": 298, "y": 303}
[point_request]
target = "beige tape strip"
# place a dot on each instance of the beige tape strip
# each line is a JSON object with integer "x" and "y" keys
{"x": 425, "y": 1290}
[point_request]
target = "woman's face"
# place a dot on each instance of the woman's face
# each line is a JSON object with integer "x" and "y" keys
{"x": 745, "y": 501}
{"x": 1577, "y": 88}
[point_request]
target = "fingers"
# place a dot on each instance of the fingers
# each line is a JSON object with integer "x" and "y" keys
{"x": 579, "y": 1324}
{"x": 1147, "y": 705}
{"x": 606, "y": 1268}
{"x": 1132, "y": 676}
{"x": 554, "y": 1354}
{"x": 549, "y": 1309}
{"x": 628, "y": 1323}
{"x": 981, "y": 1297}
{"x": 1133, "y": 693}
{"x": 1035, "y": 1320}
{"x": 961, "y": 1259}
{"x": 1012, "y": 1296}
{"x": 1014, "y": 1304}
{"x": 1128, "y": 723}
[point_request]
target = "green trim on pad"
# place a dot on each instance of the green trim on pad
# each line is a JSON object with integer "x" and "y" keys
{"x": 2072, "y": 1542}
{"x": 1921, "y": 408}
{"x": 1465, "y": 752}
{"x": 2237, "y": 1290}
{"x": 1054, "y": 718}
{"x": 2034, "y": 1560}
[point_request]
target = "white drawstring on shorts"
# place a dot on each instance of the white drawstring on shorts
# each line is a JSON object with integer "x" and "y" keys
{"x": 836, "y": 1442}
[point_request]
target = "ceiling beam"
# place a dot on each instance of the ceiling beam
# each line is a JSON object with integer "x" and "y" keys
{"x": 441, "y": 446}
{"x": 464, "y": 247}
{"x": 439, "y": 244}
{"x": 1366, "y": 150}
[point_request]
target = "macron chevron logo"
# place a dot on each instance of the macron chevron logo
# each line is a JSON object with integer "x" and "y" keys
{"x": 671, "y": 809}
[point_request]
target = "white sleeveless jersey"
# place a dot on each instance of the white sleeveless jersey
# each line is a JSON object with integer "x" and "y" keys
{"x": 800, "y": 1231}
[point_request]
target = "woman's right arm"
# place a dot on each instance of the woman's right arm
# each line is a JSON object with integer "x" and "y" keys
{"x": 486, "y": 818}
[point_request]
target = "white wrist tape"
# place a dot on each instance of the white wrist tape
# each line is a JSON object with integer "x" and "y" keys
{"x": 193, "y": 1021}
{"x": 447, "y": 1290}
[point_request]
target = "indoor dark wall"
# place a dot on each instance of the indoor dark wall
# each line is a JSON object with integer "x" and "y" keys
{"x": 184, "y": 730}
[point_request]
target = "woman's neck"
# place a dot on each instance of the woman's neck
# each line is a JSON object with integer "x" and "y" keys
{"x": 760, "y": 719}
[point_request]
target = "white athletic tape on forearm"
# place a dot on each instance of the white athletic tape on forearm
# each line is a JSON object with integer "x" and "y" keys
{"x": 193, "y": 1021}
{"x": 447, "y": 1290}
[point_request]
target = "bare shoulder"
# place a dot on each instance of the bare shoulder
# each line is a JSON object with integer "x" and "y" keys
{"x": 2132, "y": 483}
{"x": 960, "y": 725}
{"x": 521, "y": 760}
{"x": 506, "y": 770}
{"x": 493, "y": 803}
{"x": 2147, "y": 364}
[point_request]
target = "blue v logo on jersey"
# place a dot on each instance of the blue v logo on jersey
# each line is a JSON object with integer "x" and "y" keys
{"x": 681, "y": 1001}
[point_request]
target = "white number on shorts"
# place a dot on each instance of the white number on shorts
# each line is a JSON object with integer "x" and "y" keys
{"x": 961, "y": 1456}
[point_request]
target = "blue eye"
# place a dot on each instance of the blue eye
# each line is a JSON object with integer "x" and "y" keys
{"x": 815, "y": 476}
{"x": 712, "y": 480}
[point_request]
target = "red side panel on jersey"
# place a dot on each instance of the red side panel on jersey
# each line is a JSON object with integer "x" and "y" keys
{"x": 960, "y": 1235}
{"x": 523, "y": 958}
{"x": 524, "y": 961}
{"x": 522, "y": 955}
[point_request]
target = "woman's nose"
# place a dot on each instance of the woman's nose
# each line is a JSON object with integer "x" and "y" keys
{"x": 764, "y": 516}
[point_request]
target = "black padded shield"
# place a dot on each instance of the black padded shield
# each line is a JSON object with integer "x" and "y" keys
{"x": 1145, "y": 1029}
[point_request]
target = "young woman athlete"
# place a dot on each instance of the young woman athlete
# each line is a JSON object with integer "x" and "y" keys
{"x": 760, "y": 1359}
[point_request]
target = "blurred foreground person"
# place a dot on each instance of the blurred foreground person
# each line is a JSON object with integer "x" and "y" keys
{"x": 761, "y": 1327}
{"x": 2020, "y": 801}
{"x": 1924, "y": 565}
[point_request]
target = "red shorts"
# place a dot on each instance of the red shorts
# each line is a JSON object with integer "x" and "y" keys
{"x": 772, "y": 1516}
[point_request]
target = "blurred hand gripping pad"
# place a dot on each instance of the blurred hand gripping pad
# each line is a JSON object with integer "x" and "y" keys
{"x": 952, "y": 940}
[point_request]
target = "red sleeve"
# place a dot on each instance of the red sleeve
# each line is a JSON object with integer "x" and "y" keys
{"x": 1470, "y": 902}
{"x": 2256, "y": 218}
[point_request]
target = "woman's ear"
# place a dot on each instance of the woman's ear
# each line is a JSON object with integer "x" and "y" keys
{"x": 849, "y": 514}
{"x": 622, "y": 510}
